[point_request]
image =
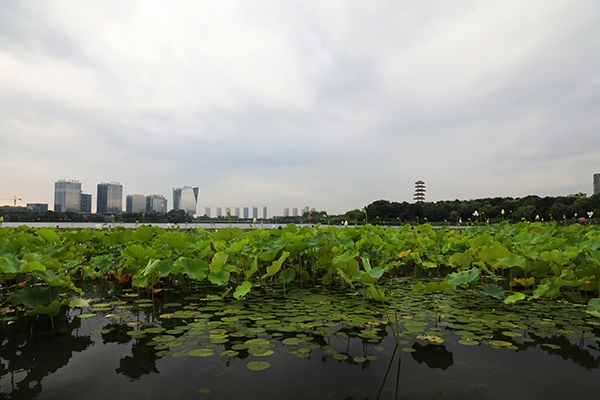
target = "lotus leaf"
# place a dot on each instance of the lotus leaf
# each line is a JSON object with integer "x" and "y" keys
{"x": 202, "y": 353}
{"x": 258, "y": 365}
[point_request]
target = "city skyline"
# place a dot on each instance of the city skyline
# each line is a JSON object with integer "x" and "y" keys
{"x": 109, "y": 199}
{"x": 331, "y": 104}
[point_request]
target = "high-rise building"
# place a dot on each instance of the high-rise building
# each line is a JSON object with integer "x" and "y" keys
{"x": 136, "y": 203}
{"x": 237, "y": 212}
{"x": 419, "y": 192}
{"x": 86, "y": 203}
{"x": 156, "y": 203}
{"x": 246, "y": 213}
{"x": 219, "y": 212}
{"x": 254, "y": 212}
{"x": 228, "y": 211}
{"x": 186, "y": 199}
{"x": 110, "y": 198}
{"x": 67, "y": 196}
{"x": 264, "y": 216}
{"x": 286, "y": 212}
{"x": 295, "y": 212}
{"x": 207, "y": 211}
{"x": 305, "y": 210}
{"x": 596, "y": 183}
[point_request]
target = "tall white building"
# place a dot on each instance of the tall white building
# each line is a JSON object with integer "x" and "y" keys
{"x": 186, "y": 199}
{"x": 596, "y": 183}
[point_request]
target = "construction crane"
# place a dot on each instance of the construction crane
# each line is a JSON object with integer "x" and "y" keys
{"x": 15, "y": 199}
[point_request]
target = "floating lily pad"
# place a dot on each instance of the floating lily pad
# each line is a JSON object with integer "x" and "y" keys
{"x": 118, "y": 316}
{"x": 468, "y": 342}
{"x": 258, "y": 365}
{"x": 202, "y": 353}
{"x": 551, "y": 346}
{"x": 88, "y": 315}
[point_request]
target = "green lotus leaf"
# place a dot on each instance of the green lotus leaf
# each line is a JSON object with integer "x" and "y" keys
{"x": 493, "y": 290}
{"x": 513, "y": 298}
{"x": 202, "y": 353}
{"x": 194, "y": 268}
{"x": 79, "y": 302}
{"x": 242, "y": 290}
{"x": 468, "y": 277}
{"x": 276, "y": 265}
{"x": 34, "y": 296}
{"x": 593, "y": 307}
{"x": 258, "y": 365}
{"x": 219, "y": 276}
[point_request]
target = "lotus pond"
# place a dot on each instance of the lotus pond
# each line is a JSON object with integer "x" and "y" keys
{"x": 493, "y": 312}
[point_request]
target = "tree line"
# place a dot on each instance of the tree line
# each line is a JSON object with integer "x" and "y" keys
{"x": 530, "y": 208}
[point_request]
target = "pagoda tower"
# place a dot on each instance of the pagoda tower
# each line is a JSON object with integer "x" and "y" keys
{"x": 419, "y": 192}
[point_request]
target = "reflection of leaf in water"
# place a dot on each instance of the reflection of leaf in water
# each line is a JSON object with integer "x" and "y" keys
{"x": 434, "y": 356}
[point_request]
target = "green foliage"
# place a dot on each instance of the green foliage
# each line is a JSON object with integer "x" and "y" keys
{"x": 556, "y": 259}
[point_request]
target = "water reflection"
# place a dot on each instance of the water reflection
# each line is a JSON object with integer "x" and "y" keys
{"x": 142, "y": 361}
{"x": 433, "y": 355}
{"x": 30, "y": 358}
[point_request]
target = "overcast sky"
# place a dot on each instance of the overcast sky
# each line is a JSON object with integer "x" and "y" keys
{"x": 326, "y": 104}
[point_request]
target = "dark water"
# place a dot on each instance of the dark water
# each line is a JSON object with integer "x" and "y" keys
{"x": 77, "y": 361}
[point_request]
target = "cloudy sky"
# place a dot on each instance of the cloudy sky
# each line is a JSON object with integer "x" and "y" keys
{"x": 327, "y": 104}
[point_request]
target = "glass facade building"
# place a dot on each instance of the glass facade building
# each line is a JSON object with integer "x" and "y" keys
{"x": 86, "y": 203}
{"x": 155, "y": 203}
{"x": 135, "y": 203}
{"x": 186, "y": 199}
{"x": 110, "y": 198}
{"x": 67, "y": 196}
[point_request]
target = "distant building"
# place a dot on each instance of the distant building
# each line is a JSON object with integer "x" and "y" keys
{"x": 185, "y": 198}
{"x": 246, "y": 213}
{"x": 228, "y": 211}
{"x": 110, "y": 198}
{"x": 136, "y": 203}
{"x": 207, "y": 211}
{"x": 305, "y": 210}
{"x": 86, "y": 203}
{"x": 264, "y": 216}
{"x": 237, "y": 212}
{"x": 294, "y": 212}
{"x": 67, "y": 196}
{"x": 254, "y": 212}
{"x": 596, "y": 183}
{"x": 219, "y": 212}
{"x": 39, "y": 207}
{"x": 156, "y": 203}
{"x": 286, "y": 212}
{"x": 419, "y": 192}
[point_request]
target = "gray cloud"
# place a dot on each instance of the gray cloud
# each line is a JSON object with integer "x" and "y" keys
{"x": 331, "y": 105}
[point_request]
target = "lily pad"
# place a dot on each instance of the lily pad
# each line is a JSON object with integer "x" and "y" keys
{"x": 258, "y": 365}
{"x": 202, "y": 353}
